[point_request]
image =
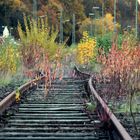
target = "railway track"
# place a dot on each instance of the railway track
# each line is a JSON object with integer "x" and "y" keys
{"x": 60, "y": 114}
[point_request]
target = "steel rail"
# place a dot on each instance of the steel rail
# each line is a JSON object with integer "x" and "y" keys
{"x": 9, "y": 99}
{"x": 123, "y": 133}
{"x": 118, "y": 126}
{"x": 79, "y": 73}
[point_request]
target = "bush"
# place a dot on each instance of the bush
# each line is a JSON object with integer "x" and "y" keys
{"x": 39, "y": 50}
{"x": 86, "y": 49}
{"x": 9, "y": 57}
{"x": 105, "y": 42}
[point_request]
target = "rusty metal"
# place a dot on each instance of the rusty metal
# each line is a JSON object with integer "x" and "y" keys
{"x": 78, "y": 73}
{"x": 121, "y": 132}
{"x": 59, "y": 116}
{"x": 7, "y": 101}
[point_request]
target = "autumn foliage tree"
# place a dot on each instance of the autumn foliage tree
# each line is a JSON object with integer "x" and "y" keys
{"x": 106, "y": 24}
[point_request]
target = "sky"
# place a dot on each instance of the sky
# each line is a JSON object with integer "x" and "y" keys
{"x": 139, "y": 1}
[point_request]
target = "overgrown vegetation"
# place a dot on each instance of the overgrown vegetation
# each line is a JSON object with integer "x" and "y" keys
{"x": 39, "y": 51}
{"x": 118, "y": 61}
{"x": 115, "y": 56}
{"x": 9, "y": 57}
{"x": 121, "y": 68}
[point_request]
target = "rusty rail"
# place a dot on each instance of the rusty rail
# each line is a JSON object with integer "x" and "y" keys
{"x": 7, "y": 101}
{"x": 121, "y": 132}
{"x": 81, "y": 74}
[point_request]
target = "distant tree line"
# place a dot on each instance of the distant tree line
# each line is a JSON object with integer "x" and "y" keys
{"x": 11, "y": 11}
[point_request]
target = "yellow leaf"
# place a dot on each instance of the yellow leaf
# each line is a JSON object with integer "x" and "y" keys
{"x": 17, "y": 96}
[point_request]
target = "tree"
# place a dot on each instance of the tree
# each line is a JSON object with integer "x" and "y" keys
{"x": 11, "y": 11}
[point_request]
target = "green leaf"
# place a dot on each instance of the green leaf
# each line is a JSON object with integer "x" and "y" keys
{"x": 90, "y": 106}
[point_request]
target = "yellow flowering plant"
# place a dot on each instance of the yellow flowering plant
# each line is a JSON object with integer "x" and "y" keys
{"x": 86, "y": 49}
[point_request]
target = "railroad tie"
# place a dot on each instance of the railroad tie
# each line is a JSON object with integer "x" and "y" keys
{"x": 59, "y": 115}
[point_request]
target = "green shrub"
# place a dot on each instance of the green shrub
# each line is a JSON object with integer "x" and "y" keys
{"x": 105, "y": 42}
